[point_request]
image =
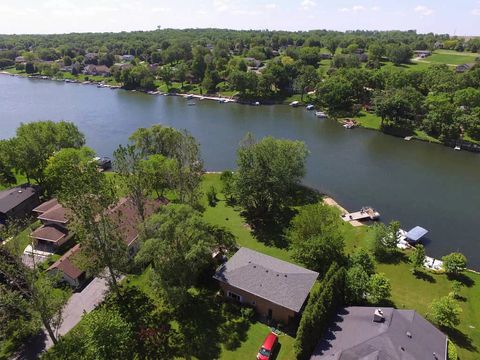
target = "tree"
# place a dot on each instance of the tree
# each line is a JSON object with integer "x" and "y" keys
{"x": 456, "y": 289}
{"x": 417, "y": 258}
{"x": 386, "y": 240}
{"x": 307, "y": 79}
{"x": 178, "y": 245}
{"x": 160, "y": 173}
{"x": 7, "y": 177}
{"x": 61, "y": 163}
{"x": 398, "y": 108}
{"x": 336, "y": 94}
{"x": 19, "y": 283}
{"x": 228, "y": 184}
{"x": 30, "y": 68}
{"x": 441, "y": 119}
{"x": 376, "y": 51}
{"x": 454, "y": 263}
{"x": 268, "y": 172}
{"x": 445, "y": 312}
{"x": 357, "y": 285}
{"x": 107, "y": 335}
{"x": 167, "y": 74}
{"x": 89, "y": 195}
{"x": 35, "y": 142}
{"x": 399, "y": 53}
{"x": 379, "y": 288}
{"x": 363, "y": 259}
{"x": 137, "y": 77}
{"x": 4, "y": 63}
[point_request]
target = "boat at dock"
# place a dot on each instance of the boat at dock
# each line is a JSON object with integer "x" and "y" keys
{"x": 294, "y": 103}
{"x": 310, "y": 107}
{"x": 320, "y": 114}
{"x": 365, "y": 213}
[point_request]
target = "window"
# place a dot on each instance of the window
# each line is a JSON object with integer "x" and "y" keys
{"x": 234, "y": 296}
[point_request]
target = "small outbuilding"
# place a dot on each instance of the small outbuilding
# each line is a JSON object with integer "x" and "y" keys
{"x": 278, "y": 290}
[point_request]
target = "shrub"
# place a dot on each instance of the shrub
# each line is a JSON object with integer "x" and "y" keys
{"x": 212, "y": 196}
{"x": 452, "y": 351}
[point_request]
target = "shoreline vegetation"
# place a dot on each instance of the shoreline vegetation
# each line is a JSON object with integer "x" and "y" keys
{"x": 364, "y": 119}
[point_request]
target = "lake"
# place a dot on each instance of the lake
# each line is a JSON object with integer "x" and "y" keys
{"x": 416, "y": 183}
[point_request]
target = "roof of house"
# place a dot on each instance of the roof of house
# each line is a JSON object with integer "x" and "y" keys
{"x": 66, "y": 265}
{"x": 278, "y": 281}
{"x": 403, "y": 335}
{"x": 11, "y": 198}
{"x": 43, "y": 207}
{"x": 125, "y": 216}
{"x": 51, "y": 233}
{"x": 56, "y": 213}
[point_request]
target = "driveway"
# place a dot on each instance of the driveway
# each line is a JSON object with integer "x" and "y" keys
{"x": 79, "y": 303}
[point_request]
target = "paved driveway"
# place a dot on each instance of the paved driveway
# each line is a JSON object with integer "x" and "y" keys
{"x": 79, "y": 303}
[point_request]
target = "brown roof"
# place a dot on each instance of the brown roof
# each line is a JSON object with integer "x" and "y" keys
{"x": 65, "y": 263}
{"x": 46, "y": 206}
{"x": 50, "y": 233}
{"x": 126, "y": 218}
{"x": 56, "y": 213}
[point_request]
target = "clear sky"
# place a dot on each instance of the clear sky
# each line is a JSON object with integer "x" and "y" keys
{"x": 460, "y": 17}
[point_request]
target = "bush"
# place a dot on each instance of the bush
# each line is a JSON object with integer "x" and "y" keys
{"x": 454, "y": 263}
{"x": 452, "y": 351}
{"x": 212, "y": 196}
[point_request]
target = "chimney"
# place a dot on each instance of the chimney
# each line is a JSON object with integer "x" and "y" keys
{"x": 378, "y": 316}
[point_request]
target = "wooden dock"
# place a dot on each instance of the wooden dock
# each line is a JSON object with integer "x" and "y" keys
{"x": 365, "y": 213}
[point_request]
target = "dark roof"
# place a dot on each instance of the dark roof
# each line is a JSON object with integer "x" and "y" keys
{"x": 65, "y": 263}
{"x": 277, "y": 281}
{"x": 51, "y": 233}
{"x": 11, "y": 198}
{"x": 56, "y": 213}
{"x": 404, "y": 335}
{"x": 126, "y": 218}
{"x": 46, "y": 206}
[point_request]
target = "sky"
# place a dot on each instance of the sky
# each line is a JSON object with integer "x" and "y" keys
{"x": 459, "y": 17}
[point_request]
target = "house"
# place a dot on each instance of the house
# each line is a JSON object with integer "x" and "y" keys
{"x": 18, "y": 202}
{"x": 125, "y": 217}
{"x": 253, "y": 63}
{"x": 326, "y": 56}
{"x": 54, "y": 230}
{"x": 20, "y": 59}
{"x": 464, "y": 67}
{"x": 68, "y": 271}
{"x": 276, "y": 289}
{"x": 101, "y": 70}
{"x": 128, "y": 58}
{"x": 368, "y": 333}
{"x": 91, "y": 56}
{"x": 422, "y": 53}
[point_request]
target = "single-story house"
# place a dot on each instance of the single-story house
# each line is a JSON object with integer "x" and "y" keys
{"x": 91, "y": 56}
{"x": 370, "y": 333}
{"x": 96, "y": 70}
{"x": 128, "y": 57}
{"x": 278, "y": 290}
{"x": 68, "y": 270}
{"x": 18, "y": 202}
{"x": 20, "y": 59}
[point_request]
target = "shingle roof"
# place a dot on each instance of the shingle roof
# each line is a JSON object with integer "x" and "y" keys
{"x": 56, "y": 213}
{"x": 404, "y": 335}
{"x": 51, "y": 233}
{"x": 66, "y": 265}
{"x": 11, "y": 198}
{"x": 278, "y": 281}
{"x": 46, "y": 206}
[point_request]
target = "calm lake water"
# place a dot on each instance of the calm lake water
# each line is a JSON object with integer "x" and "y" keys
{"x": 414, "y": 182}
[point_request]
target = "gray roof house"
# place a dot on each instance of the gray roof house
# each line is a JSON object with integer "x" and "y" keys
{"x": 276, "y": 288}
{"x": 18, "y": 202}
{"x": 367, "y": 333}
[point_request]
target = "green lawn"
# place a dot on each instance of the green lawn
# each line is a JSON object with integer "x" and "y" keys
{"x": 369, "y": 120}
{"x": 255, "y": 336}
{"x": 450, "y": 57}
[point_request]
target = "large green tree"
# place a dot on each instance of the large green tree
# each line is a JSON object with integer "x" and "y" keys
{"x": 445, "y": 312}
{"x": 268, "y": 172}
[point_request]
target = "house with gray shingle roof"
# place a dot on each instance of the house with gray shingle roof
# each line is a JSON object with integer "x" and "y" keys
{"x": 277, "y": 289}
{"x": 381, "y": 334}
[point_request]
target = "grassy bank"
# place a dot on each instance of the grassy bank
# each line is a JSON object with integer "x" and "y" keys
{"x": 408, "y": 291}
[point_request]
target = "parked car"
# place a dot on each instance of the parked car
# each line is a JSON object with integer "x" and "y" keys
{"x": 269, "y": 345}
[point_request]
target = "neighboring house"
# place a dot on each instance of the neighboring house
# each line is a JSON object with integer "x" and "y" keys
{"x": 128, "y": 58}
{"x": 101, "y": 70}
{"x": 126, "y": 219}
{"x": 277, "y": 289}
{"x": 252, "y": 62}
{"x": 369, "y": 333}
{"x": 54, "y": 230}
{"x": 464, "y": 67}
{"x": 422, "y": 53}
{"x": 18, "y": 202}
{"x": 68, "y": 270}
{"x": 326, "y": 56}
{"x": 91, "y": 56}
{"x": 20, "y": 59}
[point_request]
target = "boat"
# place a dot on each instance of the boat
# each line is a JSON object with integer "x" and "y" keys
{"x": 192, "y": 103}
{"x": 349, "y": 123}
{"x": 294, "y": 103}
{"x": 320, "y": 114}
{"x": 256, "y": 103}
{"x": 310, "y": 107}
{"x": 458, "y": 148}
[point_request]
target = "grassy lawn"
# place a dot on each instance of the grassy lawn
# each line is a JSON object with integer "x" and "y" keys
{"x": 254, "y": 339}
{"x": 450, "y": 57}
{"x": 369, "y": 120}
